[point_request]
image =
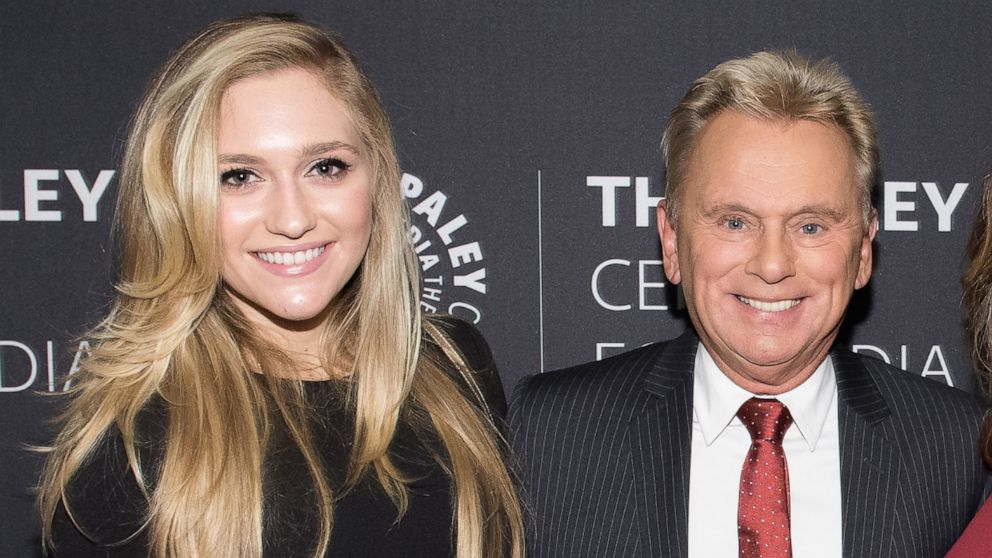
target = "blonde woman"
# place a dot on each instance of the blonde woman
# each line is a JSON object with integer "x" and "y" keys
{"x": 265, "y": 384}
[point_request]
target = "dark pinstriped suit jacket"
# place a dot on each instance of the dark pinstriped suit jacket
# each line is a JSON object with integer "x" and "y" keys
{"x": 604, "y": 449}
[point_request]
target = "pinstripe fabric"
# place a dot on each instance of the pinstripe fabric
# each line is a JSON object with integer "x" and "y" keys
{"x": 910, "y": 472}
{"x": 600, "y": 472}
{"x": 603, "y": 454}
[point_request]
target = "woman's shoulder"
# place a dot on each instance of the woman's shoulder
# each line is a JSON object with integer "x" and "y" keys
{"x": 104, "y": 506}
{"x": 477, "y": 358}
{"x": 466, "y": 338}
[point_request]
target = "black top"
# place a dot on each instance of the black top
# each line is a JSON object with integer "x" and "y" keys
{"x": 108, "y": 504}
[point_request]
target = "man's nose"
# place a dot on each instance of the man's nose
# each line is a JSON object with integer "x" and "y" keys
{"x": 773, "y": 259}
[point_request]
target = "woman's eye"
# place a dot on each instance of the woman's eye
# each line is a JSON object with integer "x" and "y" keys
{"x": 330, "y": 167}
{"x": 237, "y": 177}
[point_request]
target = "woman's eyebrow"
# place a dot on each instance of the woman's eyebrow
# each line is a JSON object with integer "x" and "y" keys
{"x": 315, "y": 149}
{"x": 237, "y": 159}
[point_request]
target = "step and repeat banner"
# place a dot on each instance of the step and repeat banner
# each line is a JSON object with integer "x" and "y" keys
{"x": 529, "y": 137}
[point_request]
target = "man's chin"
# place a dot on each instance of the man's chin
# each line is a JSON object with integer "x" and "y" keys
{"x": 768, "y": 371}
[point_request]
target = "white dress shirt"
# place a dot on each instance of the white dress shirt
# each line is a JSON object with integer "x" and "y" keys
{"x": 720, "y": 443}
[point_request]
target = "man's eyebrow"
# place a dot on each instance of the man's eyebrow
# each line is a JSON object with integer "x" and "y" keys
{"x": 315, "y": 149}
{"x": 820, "y": 210}
{"x": 726, "y": 208}
{"x": 823, "y": 211}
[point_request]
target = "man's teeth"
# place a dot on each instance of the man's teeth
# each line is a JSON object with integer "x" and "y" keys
{"x": 776, "y": 306}
{"x": 290, "y": 258}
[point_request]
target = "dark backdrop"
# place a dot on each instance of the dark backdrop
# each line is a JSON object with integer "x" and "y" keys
{"x": 539, "y": 123}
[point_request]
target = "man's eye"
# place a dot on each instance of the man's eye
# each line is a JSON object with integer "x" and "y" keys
{"x": 811, "y": 228}
{"x": 735, "y": 223}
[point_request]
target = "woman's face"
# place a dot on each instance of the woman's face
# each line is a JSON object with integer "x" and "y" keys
{"x": 295, "y": 213}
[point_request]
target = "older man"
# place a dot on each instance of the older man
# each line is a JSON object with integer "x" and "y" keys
{"x": 753, "y": 434}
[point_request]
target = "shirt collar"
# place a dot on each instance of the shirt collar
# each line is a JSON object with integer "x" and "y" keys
{"x": 716, "y": 399}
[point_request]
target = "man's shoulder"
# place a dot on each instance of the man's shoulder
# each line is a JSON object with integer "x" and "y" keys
{"x": 908, "y": 393}
{"x": 614, "y": 381}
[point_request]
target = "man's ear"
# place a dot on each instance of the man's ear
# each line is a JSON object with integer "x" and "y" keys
{"x": 669, "y": 245}
{"x": 865, "y": 252}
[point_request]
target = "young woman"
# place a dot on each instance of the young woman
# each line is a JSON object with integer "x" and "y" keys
{"x": 265, "y": 383}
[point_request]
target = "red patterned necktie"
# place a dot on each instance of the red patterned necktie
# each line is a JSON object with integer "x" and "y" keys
{"x": 763, "y": 527}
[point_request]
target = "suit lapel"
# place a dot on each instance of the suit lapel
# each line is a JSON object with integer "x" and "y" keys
{"x": 661, "y": 447}
{"x": 660, "y": 439}
{"x": 869, "y": 462}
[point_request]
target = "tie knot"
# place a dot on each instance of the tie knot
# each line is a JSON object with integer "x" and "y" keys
{"x": 765, "y": 419}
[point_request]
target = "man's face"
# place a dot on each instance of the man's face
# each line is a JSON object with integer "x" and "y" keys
{"x": 769, "y": 247}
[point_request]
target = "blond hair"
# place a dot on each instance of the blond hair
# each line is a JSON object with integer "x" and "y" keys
{"x": 174, "y": 334}
{"x": 772, "y": 85}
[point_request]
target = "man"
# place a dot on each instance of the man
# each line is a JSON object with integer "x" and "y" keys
{"x": 752, "y": 434}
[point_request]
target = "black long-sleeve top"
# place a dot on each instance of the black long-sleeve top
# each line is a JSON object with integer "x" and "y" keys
{"x": 106, "y": 502}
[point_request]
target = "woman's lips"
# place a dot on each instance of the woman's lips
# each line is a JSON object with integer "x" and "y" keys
{"x": 293, "y": 262}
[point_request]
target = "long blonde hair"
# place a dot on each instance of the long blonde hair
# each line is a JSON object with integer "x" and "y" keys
{"x": 174, "y": 335}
